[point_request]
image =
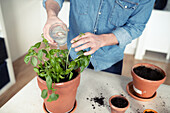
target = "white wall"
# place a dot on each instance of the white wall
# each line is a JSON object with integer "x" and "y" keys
{"x": 156, "y": 36}
{"x": 23, "y": 25}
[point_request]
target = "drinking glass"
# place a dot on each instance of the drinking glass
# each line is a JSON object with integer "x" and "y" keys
{"x": 58, "y": 32}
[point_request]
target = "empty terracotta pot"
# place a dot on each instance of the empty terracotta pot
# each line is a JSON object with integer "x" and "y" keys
{"x": 143, "y": 87}
{"x": 115, "y": 108}
{"x": 149, "y": 111}
{"x": 67, "y": 95}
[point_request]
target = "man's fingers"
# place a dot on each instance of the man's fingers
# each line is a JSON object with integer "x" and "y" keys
{"x": 46, "y": 34}
{"x": 89, "y": 52}
{"x": 75, "y": 39}
{"x": 78, "y": 38}
{"x": 87, "y": 45}
{"x": 81, "y": 41}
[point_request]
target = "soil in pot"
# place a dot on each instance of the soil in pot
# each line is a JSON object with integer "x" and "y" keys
{"x": 119, "y": 102}
{"x": 148, "y": 73}
{"x": 148, "y": 112}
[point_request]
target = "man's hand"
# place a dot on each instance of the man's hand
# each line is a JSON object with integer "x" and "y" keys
{"x": 50, "y": 21}
{"x": 93, "y": 41}
{"x": 52, "y": 8}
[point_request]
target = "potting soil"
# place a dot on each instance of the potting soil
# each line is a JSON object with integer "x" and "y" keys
{"x": 148, "y": 73}
{"x": 119, "y": 102}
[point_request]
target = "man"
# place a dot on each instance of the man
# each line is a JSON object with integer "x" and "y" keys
{"x": 109, "y": 25}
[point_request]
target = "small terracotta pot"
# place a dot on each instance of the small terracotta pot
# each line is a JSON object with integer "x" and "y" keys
{"x": 67, "y": 95}
{"x": 149, "y": 110}
{"x": 146, "y": 88}
{"x": 115, "y": 109}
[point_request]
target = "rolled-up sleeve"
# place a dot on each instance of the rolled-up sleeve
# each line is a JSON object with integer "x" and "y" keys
{"x": 60, "y": 3}
{"x": 135, "y": 24}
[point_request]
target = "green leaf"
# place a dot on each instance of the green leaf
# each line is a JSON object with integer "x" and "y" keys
{"x": 58, "y": 68}
{"x": 82, "y": 62}
{"x": 89, "y": 56}
{"x": 37, "y": 45}
{"x": 82, "y": 68}
{"x": 86, "y": 61}
{"x": 40, "y": 65}
{"x": 27, "y": 58}
{"x": 52, "y": 51}
{"x": 67, "y": 71}
{"x": 53, "y": 63}
{"x": 49, "y": 100}
{"x": 45, "y": 63}
{"x": 58, "y": 80}
{"x": 46, "y": 54}
{"x": 61, "y": 77}
{"x": 54, "y": 76}
{"x": 33, "y": 61}
{"x": 58, "y": 59}
{"x": 54, "y": 89}
{"x": 31, "y": 49}
{"x": 44, "y": 93}
{"x": 36, "y": 69}
{"x": 80, "y": 53}
{"x": 62, "y": 73}
{"x": 42, "y": 74}
{"x": 66, "y": 51}
{"x": 53, "y": 97}
{"x": 77, "y": 65}
{"x": 71, "y": 75}
{"x": 63, "y": 54}
{"x": 40, "y": 54}
{"x": 72, "y": 64}
{"x": 45, "y": 42}
{"x": 32, "y": 53}
{"x": 49, "y": 82}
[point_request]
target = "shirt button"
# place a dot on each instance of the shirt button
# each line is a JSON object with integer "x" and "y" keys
{"x": 100, "y": 13}
{"x": 91, "y": 57}
{"x": 125, "y": 6}
{"x": 95, "y": 30}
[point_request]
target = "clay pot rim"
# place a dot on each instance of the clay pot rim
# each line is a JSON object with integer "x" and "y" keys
{"x": 62, "y": 84}
{"x": 148, "y": 66}
{"x": 150, "y": 110}
{"x": 114, "y": 107}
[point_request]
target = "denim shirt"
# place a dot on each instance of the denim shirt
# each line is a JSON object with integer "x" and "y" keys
{"x": 126, "y": 19}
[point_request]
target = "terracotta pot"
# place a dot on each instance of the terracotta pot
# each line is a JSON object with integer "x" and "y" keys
{"x": 146, "y": 88}
{"x": 115, "y": 109}
{"x": 149, "y": 110}
{"x": 67, "y": 95}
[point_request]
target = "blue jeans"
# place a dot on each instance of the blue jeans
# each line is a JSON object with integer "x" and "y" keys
{"x": 115, "y": 68}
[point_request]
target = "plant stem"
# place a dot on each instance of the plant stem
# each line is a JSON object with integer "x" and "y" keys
{"x": 67, "y": 57}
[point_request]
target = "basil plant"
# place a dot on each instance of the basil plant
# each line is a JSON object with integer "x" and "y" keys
{"x": 53, "y": 65}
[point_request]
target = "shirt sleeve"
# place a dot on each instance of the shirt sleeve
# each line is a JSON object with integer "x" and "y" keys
{"x": 60, "y": 3}
{"x": 135, "y": 24}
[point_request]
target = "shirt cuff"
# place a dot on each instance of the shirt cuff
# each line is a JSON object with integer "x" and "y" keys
{"x": 60, "y": 3}
{"x": 122, "y": 36}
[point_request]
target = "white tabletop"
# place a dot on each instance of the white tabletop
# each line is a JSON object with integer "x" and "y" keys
{"x": 93, "y": 84}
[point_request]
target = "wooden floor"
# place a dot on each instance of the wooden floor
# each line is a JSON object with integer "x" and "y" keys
{"x": 24, "y": 73}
